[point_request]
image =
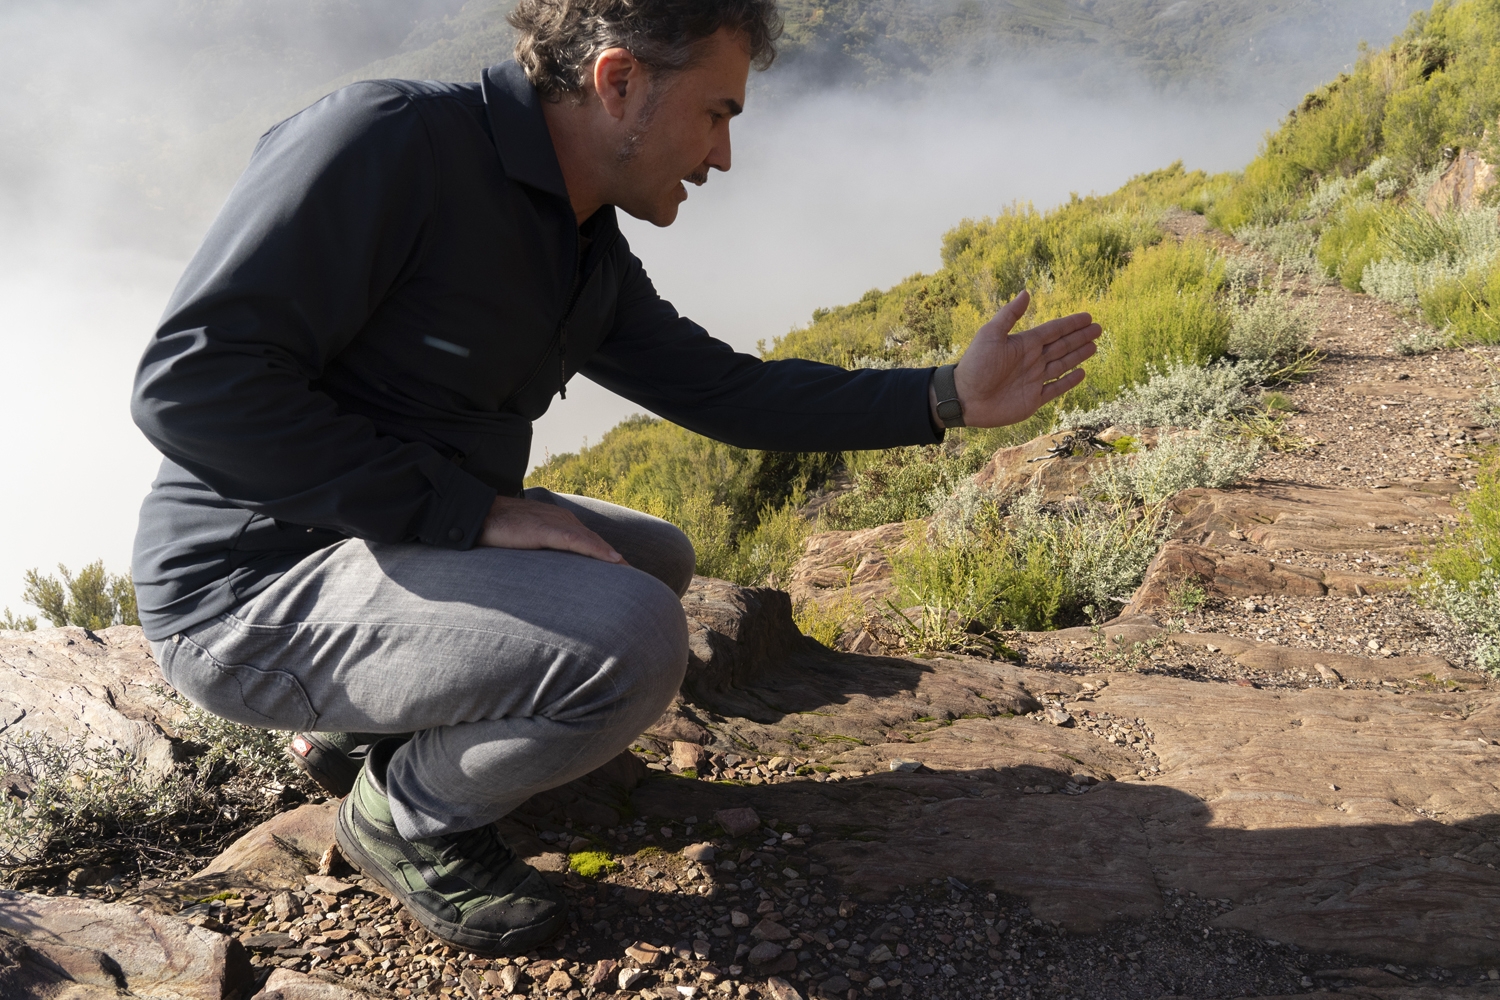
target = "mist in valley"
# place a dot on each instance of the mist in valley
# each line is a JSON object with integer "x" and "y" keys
{"x": 128, "y": 121}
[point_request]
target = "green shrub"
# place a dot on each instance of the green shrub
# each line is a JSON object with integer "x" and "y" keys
{"x": 1163, "y": 306}
{"x": 1292, "y": 244}
{"x": 94, "y": 599}
{"x": 899, "y": 485}
{"x": 1460, "y": 576}
{"x": 1350, "y": 241}
{"x": 1466, "y": 308}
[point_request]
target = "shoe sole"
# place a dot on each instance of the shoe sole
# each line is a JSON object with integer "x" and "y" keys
{"x": 325, "y": 764}
{"x": 514, "y": 942}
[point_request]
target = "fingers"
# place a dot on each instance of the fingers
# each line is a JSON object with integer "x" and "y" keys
{"x": 1056, "y": 388}
{"x": 584, "y": 542}
{"x": 1071, "y": 342}
{"x": 1072, "y": 359}
{"x": 1010, "y": 314}
{"x": 1056, "y": 329}
{"x": 514, "y": 523}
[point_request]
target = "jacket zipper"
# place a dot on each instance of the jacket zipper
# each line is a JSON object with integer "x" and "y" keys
{"x": 562, "y": 328}
{"x": 560, "y": 335}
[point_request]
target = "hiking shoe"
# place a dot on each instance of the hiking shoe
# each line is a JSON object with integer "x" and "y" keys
{"x": 467, "y": 889}
{"x": 333, "y": 760}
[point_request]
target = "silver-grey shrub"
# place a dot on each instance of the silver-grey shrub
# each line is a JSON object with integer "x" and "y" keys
{"x": 1180, "y": 462}
{"x": 1476, "y": 609}
{"x": 1184, "y": 395}
{"x": 1271, "y": 326}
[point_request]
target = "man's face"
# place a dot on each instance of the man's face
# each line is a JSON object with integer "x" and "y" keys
{"x": 681, "y": 130}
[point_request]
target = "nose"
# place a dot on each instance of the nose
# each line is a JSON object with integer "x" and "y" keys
{"x": 718, "y": 156}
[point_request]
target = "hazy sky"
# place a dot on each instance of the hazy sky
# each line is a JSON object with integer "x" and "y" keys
{"x": 830, "y": 195}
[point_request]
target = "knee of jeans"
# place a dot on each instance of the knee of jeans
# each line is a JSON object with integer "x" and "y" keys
{"x": 679, "y": 560}
{"x": 655, "y": 656}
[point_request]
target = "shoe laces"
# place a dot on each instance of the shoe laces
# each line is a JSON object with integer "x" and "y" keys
{"x": 481, "y": 852}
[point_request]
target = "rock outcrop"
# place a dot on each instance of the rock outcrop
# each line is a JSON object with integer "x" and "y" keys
{"x": 99, "y": 687}
{"x": 1461, "y": 187}
{"x": 77, "y": 948}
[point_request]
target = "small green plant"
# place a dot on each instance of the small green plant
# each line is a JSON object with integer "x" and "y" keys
{"x": 8, "y": 620}
{"x": 1475, "y": 606}
{"x": 1188, "y": 594}
{"x": 591, "y": 864}
{"x": 827, "y": 622}
{"x": 1420, "y": 342}
{"x": 900, "y": 485}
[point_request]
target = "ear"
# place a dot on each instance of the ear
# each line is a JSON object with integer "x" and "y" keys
{"x": 617, "y": 73}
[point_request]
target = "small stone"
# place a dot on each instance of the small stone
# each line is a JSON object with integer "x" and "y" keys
{"x": 702, "y": 853}
{"x": 579, "y": 844}
{"x": 644, "y": 954}
{"x": 739, "y": 918}
{"x": 603, "y": 971}
{"x": 765, "y": 953}
{"x": 687, "y": 991}
{"x": 779, "y": 989}
{"x": 835, "y": 984}
{"x": 875, "y": 983}
{"x": 738, "y": 822}
{"x": 329, "y": 885}
{"x": 512, "y": 979}
{"x": 1493, "y": 973}
{"x": 687, "y": 755}
{"x": 865, "y": 643}
{"x": 879, "y": 955}
{"x": 770, "y": 930}
{"x": 1058, "y": 717}
{"x": 629, "y": 978}
{"x": 268, "y": 942}
{"x": 1328, "y": 673}
{"x": 900, "y": 764}
{"x": 559, "y": 981}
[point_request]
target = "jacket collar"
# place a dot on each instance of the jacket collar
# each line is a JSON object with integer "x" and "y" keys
{"x": 520, "y": 131}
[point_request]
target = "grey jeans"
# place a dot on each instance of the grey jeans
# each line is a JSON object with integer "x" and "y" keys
{"x": 518, "y": 670}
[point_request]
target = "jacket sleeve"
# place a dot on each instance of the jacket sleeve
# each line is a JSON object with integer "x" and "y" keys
{"x": 672, "y": 367}
{"x": 326, "y": 219}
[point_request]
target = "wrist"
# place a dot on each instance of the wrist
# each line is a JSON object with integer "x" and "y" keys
{"x": 942, "y": 391}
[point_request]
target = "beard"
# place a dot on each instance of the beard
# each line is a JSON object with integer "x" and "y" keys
{"x": 630, "y": 146}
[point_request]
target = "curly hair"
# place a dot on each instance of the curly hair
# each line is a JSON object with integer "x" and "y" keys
{"x": 559, "y": 39}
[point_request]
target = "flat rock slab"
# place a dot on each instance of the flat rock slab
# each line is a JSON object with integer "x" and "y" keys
{"x": 1353, "y": 821}
{"x": 1323, "y": 519}
{"x": 101, "y": 687}
{"x": 771, "y": 686}
{"x": 108, "y": 946}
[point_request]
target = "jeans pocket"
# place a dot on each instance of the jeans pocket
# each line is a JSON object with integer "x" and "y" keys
{"x": 240, "y": 692}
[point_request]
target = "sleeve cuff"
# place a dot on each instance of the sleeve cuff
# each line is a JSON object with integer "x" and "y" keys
{"x": 462, "y": 504}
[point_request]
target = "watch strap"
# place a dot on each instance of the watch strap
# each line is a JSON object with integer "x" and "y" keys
{"x": 949, "y": 410}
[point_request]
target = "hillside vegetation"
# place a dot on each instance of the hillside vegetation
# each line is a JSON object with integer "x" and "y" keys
{"x": 1340, "y": 192}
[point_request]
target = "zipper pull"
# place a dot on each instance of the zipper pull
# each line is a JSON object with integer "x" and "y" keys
{"x": 562, "y": 378}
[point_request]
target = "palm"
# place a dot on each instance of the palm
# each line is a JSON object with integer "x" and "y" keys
{"x": 1005, "y": 377}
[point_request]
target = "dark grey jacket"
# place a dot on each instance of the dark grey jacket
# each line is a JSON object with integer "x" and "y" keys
{"x": 391, "y": 295}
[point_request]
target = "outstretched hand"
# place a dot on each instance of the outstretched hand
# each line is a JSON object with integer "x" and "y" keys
{"x": 515, "y": 523}
{"x": 1005, "y": 377}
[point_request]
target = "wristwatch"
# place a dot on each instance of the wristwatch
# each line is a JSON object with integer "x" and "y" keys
{"x": 949, "y": 410}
